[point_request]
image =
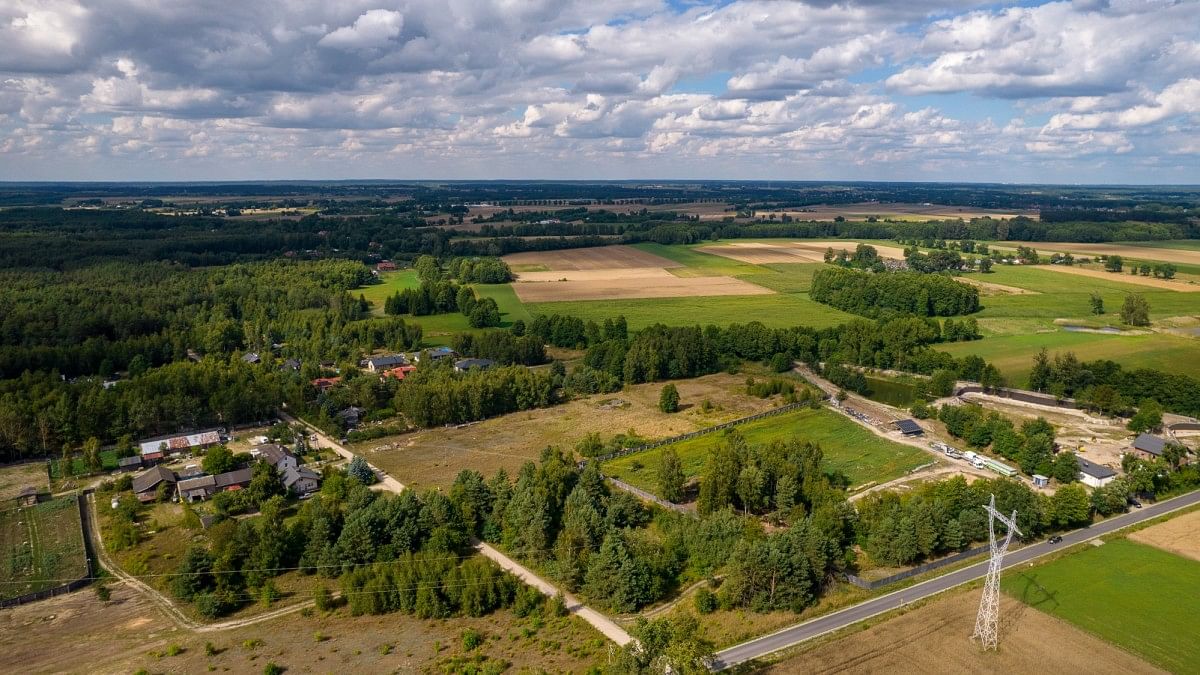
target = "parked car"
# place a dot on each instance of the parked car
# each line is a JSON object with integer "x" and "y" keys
{"x": 1055, "y": 539}
{"x": 1135, "y": 503}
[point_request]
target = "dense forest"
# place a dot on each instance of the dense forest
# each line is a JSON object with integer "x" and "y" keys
{"x": 883, "y": 293}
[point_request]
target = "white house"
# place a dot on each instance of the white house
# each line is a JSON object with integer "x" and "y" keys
{"x": 1094, "y": 475}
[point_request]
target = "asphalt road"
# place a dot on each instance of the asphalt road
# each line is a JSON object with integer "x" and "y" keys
{"x": 794, "y": 635}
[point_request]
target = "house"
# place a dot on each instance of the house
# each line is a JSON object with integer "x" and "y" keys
{"x": 145, "y": 484}
{"x": 436, "y": 354}
{"x": 351, "y": 416}
{"x": 178, "y": 444}
{"x": 204, "y": 487}
{"x": 127, "y": 464}
{"x": 386, "y": 266}
{"x": 28, "y": 496}
{"x": 251, "y": 357}
{"x": 276, "y": 455}
{"x": 1094, "y": 475}
{"x": 399, "y": 372}
{"x": 378, "y": 364}
{"x": 301, "y": 480}
{"x": 325, "y": 383}
{"x": 1147, "y": 446}
{"x": 463, "y": 365}
{"x": 909, "y": 427}
{"x": 290, "y": 364}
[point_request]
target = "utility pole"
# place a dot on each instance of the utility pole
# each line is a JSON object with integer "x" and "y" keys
{"x": 988, "y": 619}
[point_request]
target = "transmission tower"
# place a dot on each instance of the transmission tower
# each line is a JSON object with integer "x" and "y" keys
{"x": 988, "y": 619}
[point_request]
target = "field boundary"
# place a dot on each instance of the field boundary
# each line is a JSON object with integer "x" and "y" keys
{"x": 919, "y": 569}
{"x": 70, "y": 586}
{"x": 694, "y": 434}
{"x": 648, "y": 496}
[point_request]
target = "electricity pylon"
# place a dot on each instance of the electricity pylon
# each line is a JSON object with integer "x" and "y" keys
{"x": 988, "y": 620}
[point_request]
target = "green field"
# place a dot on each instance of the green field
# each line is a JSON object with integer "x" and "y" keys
{"x": 1137, "y": 597}
{"x": 776, "y": 311}
{"x": 438, "y": 328}
{"x": 849, "y": 449}
{"x": 40, "y": 547}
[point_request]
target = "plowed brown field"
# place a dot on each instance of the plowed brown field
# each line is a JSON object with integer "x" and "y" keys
{"x": 1180, "y": 535}
{"x": 594, "y": 258}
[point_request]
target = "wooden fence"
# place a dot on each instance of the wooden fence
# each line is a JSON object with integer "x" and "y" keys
{"x": 70, "y": 586}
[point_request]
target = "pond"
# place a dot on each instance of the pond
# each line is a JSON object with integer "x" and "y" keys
{"x": 891, "y": 392}
{"x": 1107, "y": 330}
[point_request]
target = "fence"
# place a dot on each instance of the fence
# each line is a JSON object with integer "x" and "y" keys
{"x": 919, "y": 569}
{"x": 695, "y": 434}
{"x": 1019, "y": 395}
{"x": 638, "y": 492}
{"x": 71, "y": 586}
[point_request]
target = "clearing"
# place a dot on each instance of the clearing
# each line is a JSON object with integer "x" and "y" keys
{"x": 40, "y": 547}
{"x": 849, "y": 449}
{"x": 16, "y": 477}
{"x": 78, "y": 633}
{"x": 1179, "y": 535}
{"x": 433, "y": 457}
{"x": 1126, "y": 593}
{"x": 593, "y": 258}
{"x": 933, "y": 638}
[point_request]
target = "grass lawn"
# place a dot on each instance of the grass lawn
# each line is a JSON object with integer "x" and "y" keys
{"x": 376, "y": 294}
{"x": 849, "y": 449}
{"x": 776, "y": 311}
{"x": 1135, "y": 596}
{"x": 40, "y": 547}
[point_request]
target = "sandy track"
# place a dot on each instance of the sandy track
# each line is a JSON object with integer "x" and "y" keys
{"x": 631, "y": 288}
{"x": 593, "y": 258}
{"x": 1180, "y": 535}
{"x": 1135, "y": 280}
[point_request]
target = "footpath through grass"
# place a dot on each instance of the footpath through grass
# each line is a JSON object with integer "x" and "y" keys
{"x": 850, "y": 449}
{"x": 40, "y": 547}
{"x": 1138, "y": 597}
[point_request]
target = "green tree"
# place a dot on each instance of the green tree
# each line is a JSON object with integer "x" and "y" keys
{"x": 359, "y": 470}
{"x": 672, "y": 644}
{"x": 1147, "y": 418}
{"x": 91, "y": 454}
{"x": 1065, "y": 468}
{"x": 1097, "y": 301}
{"x": 1114, "y": 263}
{"x": 1070, "y": 506}
{"x": 670, "y": 476}
{"x": 218, "y": 459}
{"x": 1136, "y": 310}
{"x": 668, "y": 399}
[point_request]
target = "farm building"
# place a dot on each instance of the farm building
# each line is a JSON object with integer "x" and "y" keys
{"x": 463, "y": 365}
{"x": 378, "y": 364}
{"x": 145, "y": 485}
{"x": 126, "y": 464}
{"x": 909, "y": 427}
{"x": 28, "y": 496}
{"x": 1147, "y": 446}
{"x": 1094, "y": 475}
{"x": 203, "y": 487}
{"x": 168, "y": 445}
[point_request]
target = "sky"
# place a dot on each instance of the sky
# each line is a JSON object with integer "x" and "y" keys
{"x": 1083, "y": 91}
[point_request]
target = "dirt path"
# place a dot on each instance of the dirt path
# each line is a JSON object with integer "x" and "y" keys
{"x": 599, "y": 621}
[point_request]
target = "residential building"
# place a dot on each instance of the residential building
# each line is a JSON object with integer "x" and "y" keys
{"x": 204, "y": 487}
{"x": 290, "y": 364}
{"x": 436, "y": 354}
{"x": 276, "y": 455}
{"x": 386, "y": 266}
{"x": 145, "y": 484}
{"x": 378, "y": 364}
{"x": 1094, "y": 475}
{"x": 301, "y": 480}
{"x": 399, "y": 372}
{"x": 251, "y": 357}
{"x": 325, "y": 383}
{"x": 463, "y": 365}
{"x": 1148, "y": 446}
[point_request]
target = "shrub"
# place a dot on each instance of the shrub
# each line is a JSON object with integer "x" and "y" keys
{"x": 706, "y": 601}
{"x": 471, "y": 639}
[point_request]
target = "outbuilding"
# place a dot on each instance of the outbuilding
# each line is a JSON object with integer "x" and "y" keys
{"x": 1148, "y": 447}
{"x": 909, "y": 427}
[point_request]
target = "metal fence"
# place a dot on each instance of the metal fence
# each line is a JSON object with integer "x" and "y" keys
{"x": 1019, "y": 395}
{"x": 919, "y": 569}
{"x": 71, "y": 586}
{"x": 638, "y": 492}
{"x": 695, "y": 434}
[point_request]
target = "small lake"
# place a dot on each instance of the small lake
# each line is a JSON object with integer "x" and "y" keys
{"x": 891, "y": 392}
{"x": 1107, "y": 330}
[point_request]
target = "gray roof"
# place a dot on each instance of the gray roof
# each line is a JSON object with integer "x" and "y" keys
{"x": 467, "y": 364}
{"x": 136, "y": 460}
{"x": 1151, "y": 444}
{"x": 28, "y": 491}
{"x": 206, "y": 482}
{"x": 250, "y": 357}
{"x": 909, "y": 427}
{"x": 291, "y": 476}
{"x": 272, "y": 452}
{"x": 149, "y": 479}
{"x": 388, "y": 360}
{"x": 237, "y": 477}
{"x": 1094, "y": 470}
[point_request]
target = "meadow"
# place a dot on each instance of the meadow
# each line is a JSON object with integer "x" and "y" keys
{"x": 849, "y": 449}
{"x": 438, "y": 328}
{"x": 1128, "y": 594}
{"x": 40, "y": 547}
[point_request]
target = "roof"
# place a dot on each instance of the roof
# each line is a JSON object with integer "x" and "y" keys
{"x": 272, "y": 452}
{"x": 467, "y": 364}
{"x": 909, "y": 427}
{"x": 147, "y": 480}
{"x": 180, "y": 441}
{"x": 323, "y": 382}
{"x": 293, "y": 364}
{"x": 386, "y": 361}
{"x": 291, "y": 476}
{"x": 28, "y": 491}
{"x": 136, "y": 460}
{"x": 250, "y": 357}
{"x": 1094, "y": 470}
{"x": 399, "y": 372}
{"x": 1151, "y": 444}
{"x": 200, "y": 482}
{"x": 233, "y": 477}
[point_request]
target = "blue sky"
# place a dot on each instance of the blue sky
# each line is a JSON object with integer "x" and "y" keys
{"x": 1083, "y": 91}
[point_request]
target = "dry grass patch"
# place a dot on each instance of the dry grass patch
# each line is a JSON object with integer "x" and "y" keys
{"x": 433, "y": 457}
{"x": 934, "y": 639}
{"x": 15, "y": 478}
{"x": 989, "y": 288}
{"x": 621, "y": 287}
{"x": 593, "y": 258}
{"x": 805, "y": 251}
{"x": 1179, "y": 535}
